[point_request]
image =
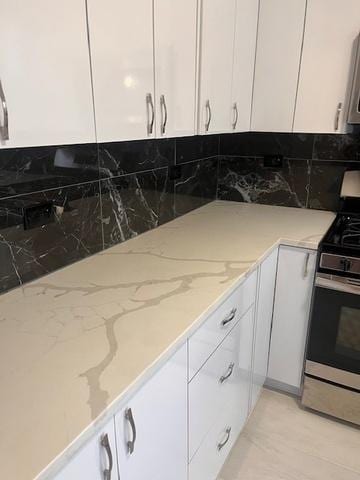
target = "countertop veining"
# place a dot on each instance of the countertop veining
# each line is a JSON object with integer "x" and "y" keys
{"x": 74, "y": 344}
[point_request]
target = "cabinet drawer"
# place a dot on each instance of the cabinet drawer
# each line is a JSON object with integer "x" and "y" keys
{"x": 210, "y": 457}
{"x": 222, "y": 384}
{"x": 207, "y": 338}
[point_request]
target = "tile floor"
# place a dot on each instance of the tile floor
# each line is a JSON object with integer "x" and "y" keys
{"x": 283, "y": 442}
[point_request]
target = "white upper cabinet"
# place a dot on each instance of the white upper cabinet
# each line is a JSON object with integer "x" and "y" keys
{"x": 216, "y": 64}
{"x": 244, "y": 62}
{"x": 121, "y": 41}
{"x": 175, "y": 28}
{"x": 45, "y": 74}
{"x": 280, "y": 35}
{"x": 151, "y": 432}
{"x": 331, "y": 29}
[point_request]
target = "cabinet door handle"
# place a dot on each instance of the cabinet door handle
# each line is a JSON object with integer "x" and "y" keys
{"x": 208, "y": 115}
{"x": 151, "y": 116}
{"x": 130, "y": 418}
{"x": 222, "y": 444}
{"x": 236, "y": 116}
{"x": 229, "y": 318}
{"x": 106, "y": 444}
{"x": 337, "y": 116}
{"x": 164, "y": 114}
{"x": 228, "y": 374}
{"x": 306, "y": 266}
{"x": 4, "y": 129}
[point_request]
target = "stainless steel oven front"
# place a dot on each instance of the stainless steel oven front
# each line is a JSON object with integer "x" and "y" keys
{"x": 332, "y": 369}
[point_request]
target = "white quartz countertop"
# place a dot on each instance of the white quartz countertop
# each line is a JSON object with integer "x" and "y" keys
{"x": 76, "y": 343}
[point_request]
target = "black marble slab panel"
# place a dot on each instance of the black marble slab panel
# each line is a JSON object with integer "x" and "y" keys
{"x": 27, "y": 170}
{"x": 257, "y": 144}
{"x": 196, "y": 186}
{"x": 74, "y": 233}
{"x": 121, "y": 158}
{"x": 247, "y": 180}
{"x": 325, "y": 183}
{"x": 197, "y": 147}
{"x": 337, "y": 147}
{"x": 135, "y": 203}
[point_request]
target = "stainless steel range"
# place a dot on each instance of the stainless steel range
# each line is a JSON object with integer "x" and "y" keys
{"x": 332, "y": 367}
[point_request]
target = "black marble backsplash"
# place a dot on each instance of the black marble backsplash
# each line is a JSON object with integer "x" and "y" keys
{"x": 104, "y": 194}
{"x": 99, "y": 195}
{"x": 310, "y": 175}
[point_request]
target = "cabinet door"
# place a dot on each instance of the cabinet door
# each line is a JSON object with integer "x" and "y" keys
{"x": 244, "y": 62}
{"x": 175, "y": 27}
{"x": 280, "y": 34}
{"x": 96, "y": 459}
{"x": 152, "y": 429}
{"x": 45, "y": 73}
{"x": 121, "y": 40}
{"x": 264, "y": 313}
{"x": 216, "y": 64}
{"x": 295, "y": 277}
{"x": 327, "y": 66}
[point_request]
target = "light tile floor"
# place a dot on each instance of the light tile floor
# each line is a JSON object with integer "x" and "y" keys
{"x": 284, "y": 442}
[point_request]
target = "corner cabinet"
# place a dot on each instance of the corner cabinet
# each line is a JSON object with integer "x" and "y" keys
{"x": 295, "y": 278}
{"x": 45, "y": 74}
{"x": 151, "y": 431}
{"x": 331, "y": 30}
{"x": 144, "y": 70}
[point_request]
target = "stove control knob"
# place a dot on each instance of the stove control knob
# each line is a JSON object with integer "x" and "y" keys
{"x": 345, "y": 263}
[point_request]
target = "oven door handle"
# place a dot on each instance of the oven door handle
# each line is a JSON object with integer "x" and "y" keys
{"x": 340, "y": 284}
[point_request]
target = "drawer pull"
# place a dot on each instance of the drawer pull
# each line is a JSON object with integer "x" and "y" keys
{"x": 229, "y": 318}
{"x": 130, "y": 418}
{"x": 228, "y": 373}
{"x": 222, "y": 444}
{"x": 106, "y": 444}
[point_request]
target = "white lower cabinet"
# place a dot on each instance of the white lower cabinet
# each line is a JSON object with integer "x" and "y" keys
{"x": 295, "y": 277}
{"x": 151, "y": 431}
{"x": 264, "y": 313}
{"x": 96, "y": 461}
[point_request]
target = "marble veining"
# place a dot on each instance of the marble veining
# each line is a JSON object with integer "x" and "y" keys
{"x": 75, "y": 344}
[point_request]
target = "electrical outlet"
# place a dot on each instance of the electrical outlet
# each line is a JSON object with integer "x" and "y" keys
{"x": 273, "y": 161}
{"x": 38, "y": 215}
{"x": 175, "y": 172}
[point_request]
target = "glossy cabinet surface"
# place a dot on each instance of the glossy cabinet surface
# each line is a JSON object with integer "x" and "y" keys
{"x": 95, "y": 458}
{"x": 280, "y": 36}
{"x": 45, "y": 73}
{"x": 295, "y": 277}
{"x": 264, "y": 314}
{"x": 159, "y": 418}
{"x": 121, "y": 41}
{"x": 207, "y": 338}
{"x": 216, "y": 63}
{"x": 244, "y": 63}
{"x": 175, "y": 30}
{"x": 331, "y": 30}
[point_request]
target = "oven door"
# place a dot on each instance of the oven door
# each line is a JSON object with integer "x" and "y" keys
{"x": 334, "y": 338}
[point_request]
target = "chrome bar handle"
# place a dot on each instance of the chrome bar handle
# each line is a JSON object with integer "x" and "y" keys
{"x": 229, "y": 318}
{"x": 337, "y": 116}
{"x": 208, "y": 115}
{"x": 235, "y": 109}
{"x": 306, "y": 266}
{"x": 151, "y": 118}
{"x": 222, "y": 444}
{"x": 106, "y": 444}
{"x": 130, "y": 418}
{"x": 228, "y": 374}
{"x": 164, "y": 114}
{"x": 4, "y": 129}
